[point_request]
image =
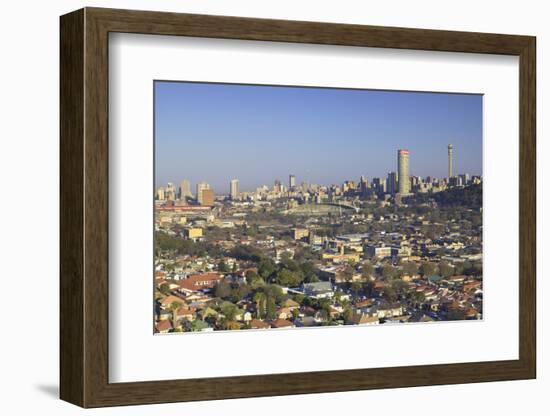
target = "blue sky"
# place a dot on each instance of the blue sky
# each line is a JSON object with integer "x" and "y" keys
{"x": 216, "y": 132}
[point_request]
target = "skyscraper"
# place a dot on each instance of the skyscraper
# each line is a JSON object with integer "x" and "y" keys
{"x": 403, "y": 171}
{"x": 160, "y": 194}
{"x": 292, "y": 181}
{"x": 450, "y": 153}
{"x": 234, "y": 189}
{"x": 200, "y": 187}
{"x": 170, "y": 192}
{"x": 379, "y": 185}
{"x": 391, "y": 183}
{"x": 185, "y": 189}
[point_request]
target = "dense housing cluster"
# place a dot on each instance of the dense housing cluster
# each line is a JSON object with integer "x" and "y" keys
{"x": 315, "y": 255}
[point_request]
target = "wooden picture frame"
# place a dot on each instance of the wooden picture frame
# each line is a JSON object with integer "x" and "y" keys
{"x": 84, "y": 207}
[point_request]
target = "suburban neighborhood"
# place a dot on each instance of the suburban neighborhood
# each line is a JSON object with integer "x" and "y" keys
{"x": 368, "y": 252}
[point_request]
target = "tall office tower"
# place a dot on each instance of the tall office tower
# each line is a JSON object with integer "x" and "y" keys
{"x": 391, "y": 183}
{"x": 403, "y": 171}
{"x": 363, "y": 185}
{"x": 207, "y": 197}
{"x": 234, "y": 189}
{"x": 170, "y": 192}
{"x": 450, "y": 153}
{"x": 201, "y": 186}
{"x": 185, "y": 189}
{"x": 160, "y": 194}
{"x": 292, "y": 181}
{"x": 379, "y": 186}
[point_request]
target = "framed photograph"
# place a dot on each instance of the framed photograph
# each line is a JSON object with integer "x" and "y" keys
{"x": 255, "y": 207}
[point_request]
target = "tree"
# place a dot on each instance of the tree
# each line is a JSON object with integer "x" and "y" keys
{"x": 299, "y": 298}
{"x": 197, "y": 325}
{"x": 410, "y": 268}
{"x": 252, "y": 277}
{"x": 247, "y": 253}
{"x": 266, "y": 268}
{"x": 275, "y": 292}
{"x": 229, "y": 310}
{"x": 288, "y": 278}
{"x": 271, "y": 308}
{"x": 165, "y": 288}
{"x": 174, "y": 306}
{"x": 348, "y": 313}
{"x": 445, "y": 269}
{"x": 368, "y": 269}
{"x": 260, "y": 298}
{"x": 347, "y": 274}
{"x": 239, "y": 291}
{"x": 308, "y": 272}
{"x": 416, "y": 297}
{"x": 428, "y": 269}
{"x": 388, "y": 272}
{"x": 399, "y": 286}
{"x": 356, "y": 287}
{"x": 222, "y": 289}
{"x": 222, "y": 267}
{"x": 304, "y": 254}
{"x": 390, "y": 293}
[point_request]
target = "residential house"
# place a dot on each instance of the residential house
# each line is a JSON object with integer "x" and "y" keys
{"x": 363, "y": 319}
{"x": 258, "y": 324}
{"x": 318, "y": 290}
{"x": 163, "y": 327}
{"x": 281, "y": 323}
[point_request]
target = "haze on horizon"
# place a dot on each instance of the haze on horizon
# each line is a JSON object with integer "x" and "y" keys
{"x": 218, "y": 132}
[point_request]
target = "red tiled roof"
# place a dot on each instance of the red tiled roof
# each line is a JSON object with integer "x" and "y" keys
{"x": 168, "y": 300}
{"x": 364, "y": 303}
{"x": 164, "y": 325}
{"x": 199, "y": 281}
{"x": 258, "y": 324}
{"x": 185, "y": 310}
{"x": 281, "y": 323}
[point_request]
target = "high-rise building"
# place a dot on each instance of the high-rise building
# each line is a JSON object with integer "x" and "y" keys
{"x": 207, "y": 197}
{"x": 292, "y": 182}
{"x": 403, "y": 171}
{"x": 363, "y": 185}
{"x": 170, "y": 192}
{"x": 391, "y": 183}
{"x": 379, "y": 185}
{"x": 201, "y": 186}
{"x": 450, "y": 154}
{"x": 464, "y": 178}
{"x": 160, "y": 194}
{"x": 185, "y": 189}
{"x": 234, "y": 189}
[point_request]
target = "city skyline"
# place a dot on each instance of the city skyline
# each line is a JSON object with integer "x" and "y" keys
{"x": 217, "y": 132}
{"x": 391, "y": 183}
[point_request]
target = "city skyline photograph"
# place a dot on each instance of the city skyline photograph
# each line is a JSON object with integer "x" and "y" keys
{"x": 286, "y": 207}
{"x": 323, "y": 135}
